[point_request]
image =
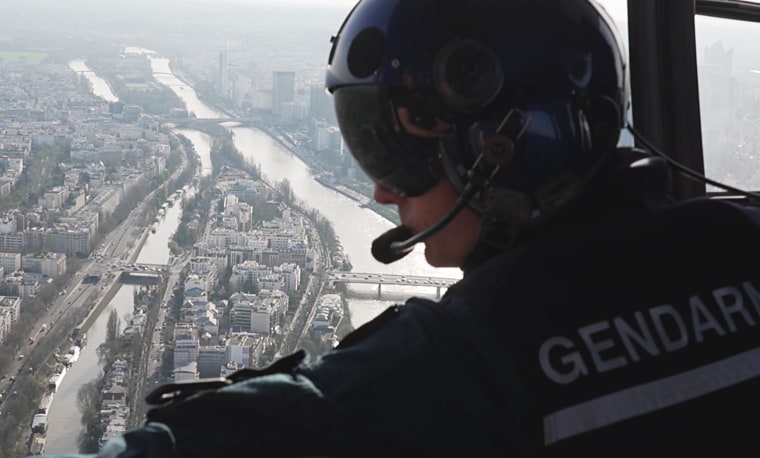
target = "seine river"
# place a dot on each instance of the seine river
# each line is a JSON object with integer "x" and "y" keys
{"x": 355, "y": 226}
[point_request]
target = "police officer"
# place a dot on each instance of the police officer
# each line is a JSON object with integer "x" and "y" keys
{"x": 594, "y": 313}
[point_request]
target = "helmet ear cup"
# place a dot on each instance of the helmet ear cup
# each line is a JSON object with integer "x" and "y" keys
{"x": 467, "y": 75}
{"x": 601, "y": 119}
{"x": 607, "y": 120}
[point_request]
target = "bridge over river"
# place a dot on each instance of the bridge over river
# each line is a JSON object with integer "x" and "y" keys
{"x": 129, "y": 273}
{"x": 438, "y": 283}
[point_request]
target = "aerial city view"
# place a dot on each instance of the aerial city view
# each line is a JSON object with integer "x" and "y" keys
{"x": 180, "y": 211}
{"x": 176, "y": 203}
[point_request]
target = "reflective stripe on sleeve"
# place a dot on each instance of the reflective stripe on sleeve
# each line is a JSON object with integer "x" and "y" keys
{"x": 648, "y": 397}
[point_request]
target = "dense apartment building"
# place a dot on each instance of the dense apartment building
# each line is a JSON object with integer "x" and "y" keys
{"x": 47, "y": 264}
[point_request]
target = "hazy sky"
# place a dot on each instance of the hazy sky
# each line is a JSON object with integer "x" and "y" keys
{"x": 347, "y": 3}
{"x": 615, "y": 7}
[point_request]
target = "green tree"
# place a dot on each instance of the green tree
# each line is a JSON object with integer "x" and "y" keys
{"x": 111, "y": 345}
{"x": 88, "y": 401}
{"x": 285, "y": 191}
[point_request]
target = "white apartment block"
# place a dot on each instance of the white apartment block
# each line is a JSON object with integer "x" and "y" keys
{"x": 248, "y": 271}
{"x": 8, "y": 224}
{"x": 269, "y": 308}
{"x": 291, "y": 275}
{"x": 205, "y": 266}
{"x": 10, "y": 262}
{"x": 77, "y": 241}
{"x": 12, "y": 304}
{"x": 13, "y": 241}
{"x": 241, "y": 317}
{"x": 6, "y": 185}
{"x": 216, "y": 254}
{"x": 6, "y": 324}
{"x": 10, "y": 310}
{"x": 280, "y": 242}
{"x": 50, "y": 264}
{"x": 54, "y": 198}
{"x": 16, "y": 284}
{"x": 106, "y": 201}
{"x": 224, "y": 238}
{"x": 244, "y": 349}
{"x": 271, "y": 282}
{"x": 257, "y": 241}
{"x": 260, "y": 313}
{"x": 185, "y": 351}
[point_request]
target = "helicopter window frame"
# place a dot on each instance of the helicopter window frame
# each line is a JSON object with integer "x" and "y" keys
{"x": 716, "y": 86}
{"x": 664, "y": 80}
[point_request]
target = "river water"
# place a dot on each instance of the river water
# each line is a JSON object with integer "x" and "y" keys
{"x": 100, "y": 87}
{"x": 64, "y": 419}
{"x": 355, "y": 226}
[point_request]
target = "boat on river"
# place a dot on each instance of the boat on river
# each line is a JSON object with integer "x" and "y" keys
{"x": 39, "y": 423}
{"x": 81, "y": 341}
{"x": 55, "y": 380}
{"x": 45, "y": 403}
{"x": 72, "y": 356}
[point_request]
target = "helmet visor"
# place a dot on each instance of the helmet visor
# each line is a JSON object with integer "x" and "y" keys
{"x": 399, "y": 159}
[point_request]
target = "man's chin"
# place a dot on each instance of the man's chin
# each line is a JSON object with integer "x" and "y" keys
{"x": 438, "y": 258}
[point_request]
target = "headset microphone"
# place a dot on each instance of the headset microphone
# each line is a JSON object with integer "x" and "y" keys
{"x": 390, "y": 246}
{"x": 399, "y": 241}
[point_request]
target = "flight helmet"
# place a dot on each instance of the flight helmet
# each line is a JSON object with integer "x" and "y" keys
{"x": 514, "y": 101}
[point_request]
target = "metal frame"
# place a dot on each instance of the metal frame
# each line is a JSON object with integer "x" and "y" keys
{"x": 664, "y": 77}
{"x": 664, "y": 87}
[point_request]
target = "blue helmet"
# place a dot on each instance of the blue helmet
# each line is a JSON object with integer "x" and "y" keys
{"x": 514, "y": 101}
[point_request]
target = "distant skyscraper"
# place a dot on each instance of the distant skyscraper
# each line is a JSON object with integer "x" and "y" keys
{"x": 721, "y": 129}
{"x": 283, "y": 90}
{"x": 717, "y": 86}
{"x": 321, "y": 104}
{"x": 224, "y": 74}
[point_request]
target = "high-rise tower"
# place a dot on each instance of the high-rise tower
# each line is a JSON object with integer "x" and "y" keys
{"x": 224, "y": 74}
{"x": 283, "y": 90}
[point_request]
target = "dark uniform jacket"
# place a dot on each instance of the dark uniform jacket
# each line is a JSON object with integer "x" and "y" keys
{"x": 631, "y": 326}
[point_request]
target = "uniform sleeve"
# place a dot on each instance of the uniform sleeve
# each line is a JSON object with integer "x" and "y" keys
{"x": 430, "y": 380}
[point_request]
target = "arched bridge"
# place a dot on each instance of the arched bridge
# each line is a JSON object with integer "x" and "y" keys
{"x": 139, "y": 273}
{"x": 189, "y": 122}
{"x": 150, "y": 267}
{"x": 391, "y": 279}
{"x": 139, "y": 267}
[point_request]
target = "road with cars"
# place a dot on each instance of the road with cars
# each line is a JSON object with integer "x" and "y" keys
{"x": 90, "y": 284}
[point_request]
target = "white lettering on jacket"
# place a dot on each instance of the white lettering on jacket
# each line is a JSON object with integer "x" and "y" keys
{"x": 610, "y": 344}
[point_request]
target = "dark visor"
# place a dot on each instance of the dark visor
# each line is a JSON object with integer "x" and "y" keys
{"x": 368, "y": 119}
